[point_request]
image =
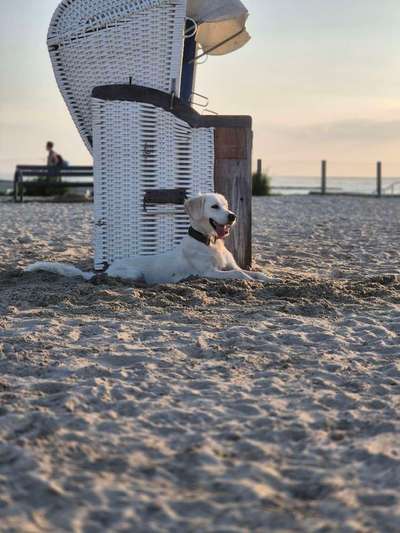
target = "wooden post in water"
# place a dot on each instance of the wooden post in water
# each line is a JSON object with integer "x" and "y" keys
{"x": 379, "y": 179}
{"x": 259, "y": 167}
{"x": 15, "y": 185}
{"x": 323, "y": 177}
{"x": 232, "y": 178}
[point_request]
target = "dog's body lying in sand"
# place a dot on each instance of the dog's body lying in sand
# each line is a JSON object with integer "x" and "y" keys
{"x": 201, "y": 253}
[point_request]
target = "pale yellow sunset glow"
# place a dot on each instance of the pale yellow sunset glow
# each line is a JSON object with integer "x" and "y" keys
{"x": 321, "y": 81}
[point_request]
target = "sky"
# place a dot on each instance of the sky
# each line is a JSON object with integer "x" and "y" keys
{"x": 320, "y": 78}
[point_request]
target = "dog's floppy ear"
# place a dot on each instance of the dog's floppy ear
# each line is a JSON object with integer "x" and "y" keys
{"x": 195, "y": 207}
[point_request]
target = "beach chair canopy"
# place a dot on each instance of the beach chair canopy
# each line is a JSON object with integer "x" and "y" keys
{"x": 99, "y": 42}
{"x": 221, "y": 25}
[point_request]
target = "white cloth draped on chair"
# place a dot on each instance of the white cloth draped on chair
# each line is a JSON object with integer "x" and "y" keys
{"x": 221, "y": 25}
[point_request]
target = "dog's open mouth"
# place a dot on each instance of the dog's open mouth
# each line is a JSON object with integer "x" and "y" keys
{"x": 222, "y": 230}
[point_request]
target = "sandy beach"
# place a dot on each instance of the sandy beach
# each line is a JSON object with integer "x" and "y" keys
{"x": 204, "y": 406}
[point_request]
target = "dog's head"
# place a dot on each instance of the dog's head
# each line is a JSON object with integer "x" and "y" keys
{"x": 209, "y": 214}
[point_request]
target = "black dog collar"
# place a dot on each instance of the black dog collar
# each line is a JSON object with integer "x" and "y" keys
{"x": 205, "y": 239}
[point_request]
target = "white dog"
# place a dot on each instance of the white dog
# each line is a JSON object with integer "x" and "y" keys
{"x": 201, "y": 253}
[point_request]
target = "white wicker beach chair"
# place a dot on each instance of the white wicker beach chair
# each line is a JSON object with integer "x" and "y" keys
{"x": 150, "y": 153}
{"x": 98, "y": 42}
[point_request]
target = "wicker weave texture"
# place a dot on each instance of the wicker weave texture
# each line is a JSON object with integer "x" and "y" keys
{"x": 72, "y": 16}
{"x": 103, "y": 42}
{"x": 140, "y": 147}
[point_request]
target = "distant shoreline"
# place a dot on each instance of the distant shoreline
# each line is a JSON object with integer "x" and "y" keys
{"x": 287, "y": 185}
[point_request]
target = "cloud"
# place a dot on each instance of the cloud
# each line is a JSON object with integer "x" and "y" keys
{"x": 355, "y": 130}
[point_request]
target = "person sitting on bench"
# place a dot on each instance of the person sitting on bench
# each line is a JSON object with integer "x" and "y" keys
{"x": 55, "y": 162}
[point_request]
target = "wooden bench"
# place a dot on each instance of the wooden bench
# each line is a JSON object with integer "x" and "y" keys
{"x": 54, "y": 175}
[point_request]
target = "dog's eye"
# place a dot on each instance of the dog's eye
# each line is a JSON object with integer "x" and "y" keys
{"x": 216, "y": 206}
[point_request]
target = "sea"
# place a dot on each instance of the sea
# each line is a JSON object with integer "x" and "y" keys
{"x": 285, "y": 185}
{"x": 289, "y": 185}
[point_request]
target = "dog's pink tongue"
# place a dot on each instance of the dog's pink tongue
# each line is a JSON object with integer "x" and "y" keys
{"x": 222, "y": 231}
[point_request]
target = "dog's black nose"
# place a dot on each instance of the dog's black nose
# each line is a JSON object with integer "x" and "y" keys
{"x": 231, "y": 218}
